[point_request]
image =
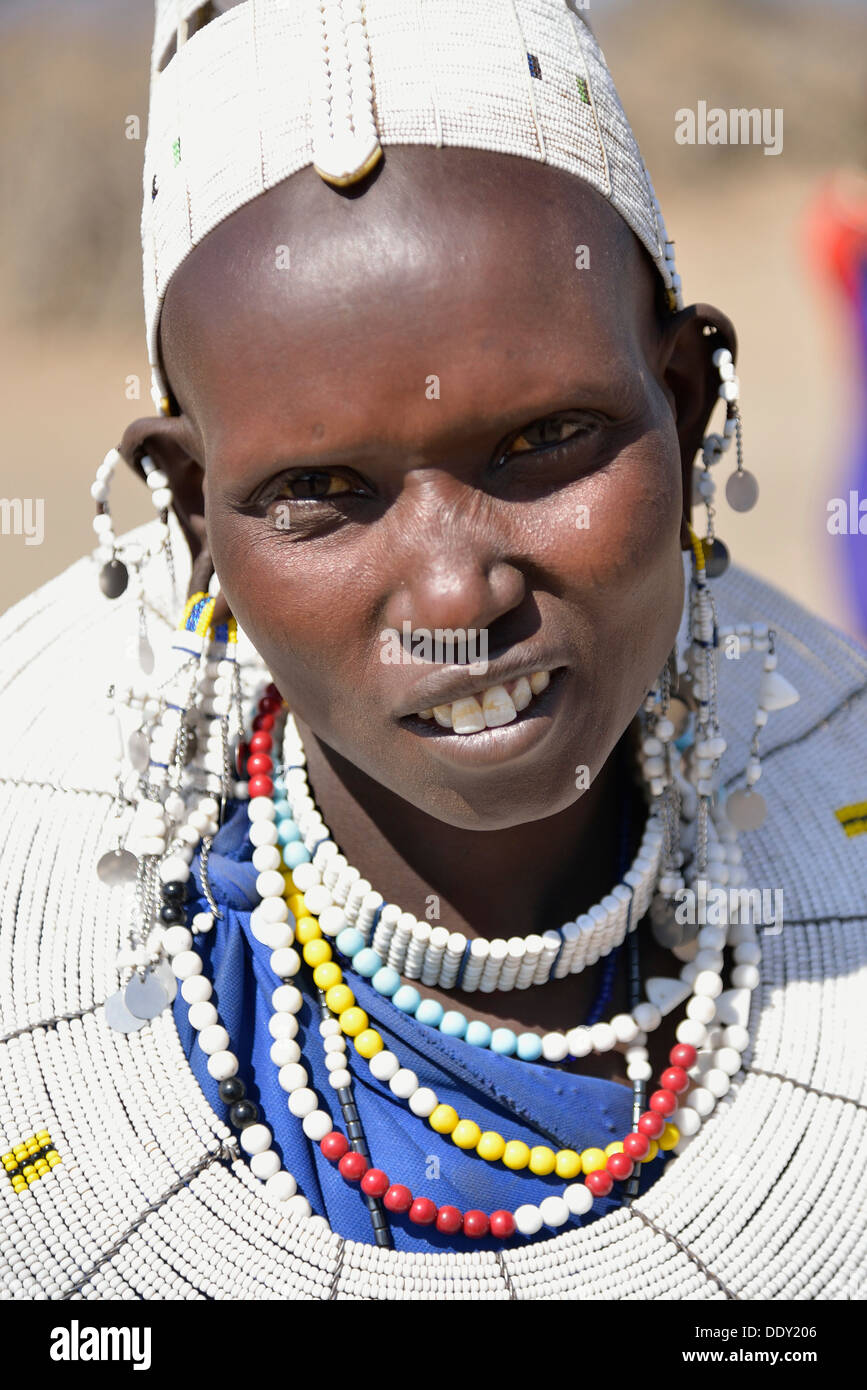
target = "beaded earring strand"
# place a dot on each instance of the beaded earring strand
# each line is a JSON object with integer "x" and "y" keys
{"x": 114, "y": 573}
{"x": 742, "y": 489}
{"x": 166, "y": 825}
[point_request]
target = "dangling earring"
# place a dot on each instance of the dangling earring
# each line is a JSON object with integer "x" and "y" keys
{"x": 162, "y": 498}
{"x": 114, "y": 571}
{"x": 746, "y": 808}
{"x": 658, "y": 759}
{"x": 113, "y": 576}
{"x": 184, "y": 746}
{"x": 742, "y": 489}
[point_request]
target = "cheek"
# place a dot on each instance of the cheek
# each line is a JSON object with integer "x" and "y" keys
{"x": 296, "y": 609}
{"x": 622, "y": 569}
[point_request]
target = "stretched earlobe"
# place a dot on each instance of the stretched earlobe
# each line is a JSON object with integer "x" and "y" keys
{"x": 692, "y": 378}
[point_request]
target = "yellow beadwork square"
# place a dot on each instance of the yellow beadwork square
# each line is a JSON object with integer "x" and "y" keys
{"x": 853, "y": 818}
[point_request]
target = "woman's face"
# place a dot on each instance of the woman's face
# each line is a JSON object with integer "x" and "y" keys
{"x": 374, "y": 387}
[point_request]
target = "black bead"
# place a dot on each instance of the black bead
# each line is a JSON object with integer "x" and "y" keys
{"x": 174, "y": 892}
{"x": 243, "y": 1113}
{"x": 170, "y": 914}
{"x": 232, "y": 1089}
{"x": 191, "y": 746}
{"x": 113, "y": 578}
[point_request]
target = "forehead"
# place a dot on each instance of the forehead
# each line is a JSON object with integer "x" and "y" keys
{"x": 463, "y": 264}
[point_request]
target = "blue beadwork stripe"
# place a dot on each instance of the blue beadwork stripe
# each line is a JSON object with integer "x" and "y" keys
{"x": 464, "y": 958}
{"x": 196, "y": 613}
{"x": 555, "y": 962}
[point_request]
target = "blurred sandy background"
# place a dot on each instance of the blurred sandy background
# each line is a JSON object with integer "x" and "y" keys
{"x": 71, "y": 330}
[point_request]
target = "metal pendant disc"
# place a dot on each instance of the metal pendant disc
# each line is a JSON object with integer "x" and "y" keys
{"x": 137, "y": 748}
{"x": 145, "y": 998}
{"x": 166, "y": 975}
{"x": 113, "y": 578}
{"x": 145, "y": 656}
{"x": 666, "y": 929}
{"x": 117, "y": 866}
{"x": 118, "y": 1016}
{"x": 746, "y": 809}
{"x": 742, "y": 491}
{"x": 716, "y": 559}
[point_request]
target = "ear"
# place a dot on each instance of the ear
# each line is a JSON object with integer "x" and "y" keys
{"x": 168, "y": 440}
{"x": 692, "y": 381}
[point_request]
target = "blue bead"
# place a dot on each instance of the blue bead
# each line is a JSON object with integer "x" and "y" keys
{"x": 287, "y": 831}
{"x": 407, "y": 999}
{"x": 529, "y": 1047}
{"x": 279, "y": 785}
{"x": 282, "y": 808}
{"x": 478, "y": 1033}
{"x": 366, "y": 961}
{"x": 503, "y": 1041}
{"x": 386, "y": 981}
{"x": 453, "y": 1024}
{"x": 349, "y": 942}
{"x": 430, "y": 1012}
{"x": 295, "y": 854}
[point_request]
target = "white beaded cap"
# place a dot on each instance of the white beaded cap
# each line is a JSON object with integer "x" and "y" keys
{"x": 270, "y": 86}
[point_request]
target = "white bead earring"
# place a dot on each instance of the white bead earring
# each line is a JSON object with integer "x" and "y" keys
{"x": 746, "y": 808}
{"x": 742, "y": 489}
{"x": 116, "y": 563}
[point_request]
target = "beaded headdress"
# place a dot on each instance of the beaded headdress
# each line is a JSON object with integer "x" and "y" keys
{"x": 241, "y": 99}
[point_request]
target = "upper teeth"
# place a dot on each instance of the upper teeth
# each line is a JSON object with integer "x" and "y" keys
{"x": 490, "y": 708}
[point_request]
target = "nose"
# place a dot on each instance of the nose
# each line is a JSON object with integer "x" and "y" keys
{"x": 450, "y": 557}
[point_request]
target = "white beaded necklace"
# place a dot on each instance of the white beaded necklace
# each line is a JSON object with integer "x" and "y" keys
{"x": 336, "y": 894}
{"x": 434, "y": 955}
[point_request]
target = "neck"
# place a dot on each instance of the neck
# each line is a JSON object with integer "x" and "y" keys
{"x": 523, "y": 879}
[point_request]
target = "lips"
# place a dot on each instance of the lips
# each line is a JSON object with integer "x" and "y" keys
{"x": 490, "y": 707}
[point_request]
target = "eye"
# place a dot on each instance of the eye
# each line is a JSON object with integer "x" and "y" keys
{"x": 547, "y": 434}
{"x": 312, "y": 485}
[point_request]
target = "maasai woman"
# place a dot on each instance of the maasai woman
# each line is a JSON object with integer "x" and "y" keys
{"x": 389, "y": 930}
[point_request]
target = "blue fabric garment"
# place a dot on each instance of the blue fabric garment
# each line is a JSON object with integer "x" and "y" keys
{"x": 522, "y": 1100}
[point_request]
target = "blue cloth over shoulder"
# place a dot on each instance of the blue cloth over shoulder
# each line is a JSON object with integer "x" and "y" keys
{"x": 521, "y": 1100}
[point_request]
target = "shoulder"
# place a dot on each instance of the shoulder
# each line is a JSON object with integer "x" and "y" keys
{"x": 64, "y": 645}
{"x": 814, "y": 753}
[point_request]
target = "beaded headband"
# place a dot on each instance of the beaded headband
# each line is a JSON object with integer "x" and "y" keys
{"x": 241, "y": 100}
